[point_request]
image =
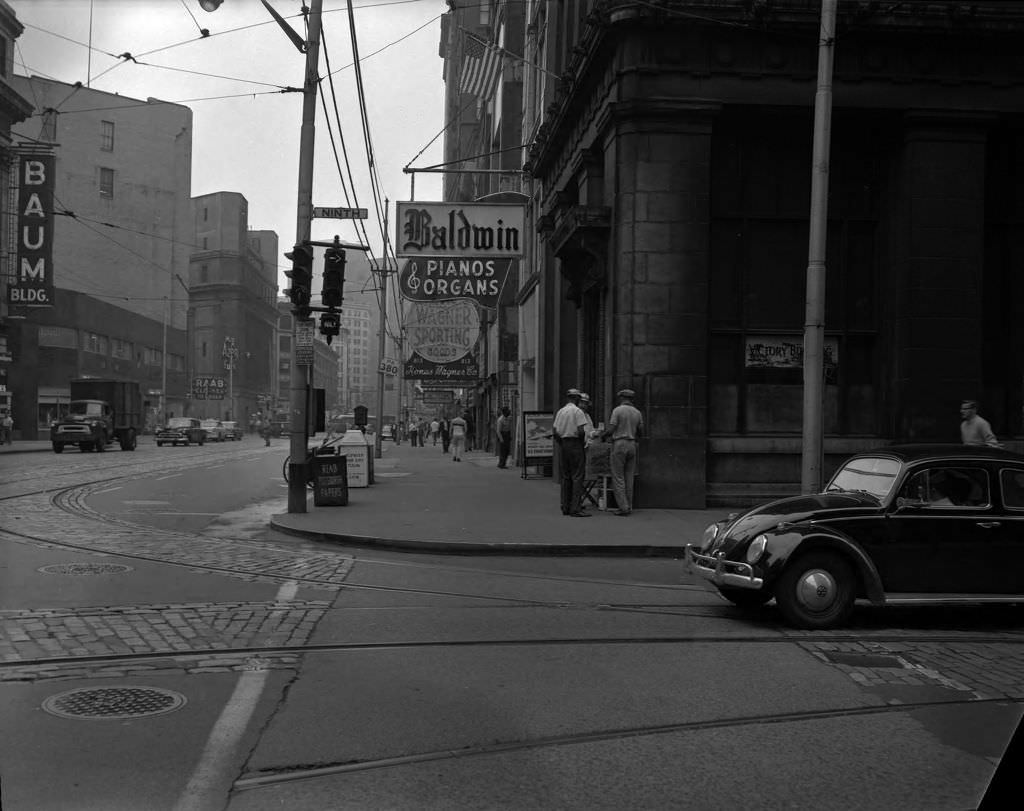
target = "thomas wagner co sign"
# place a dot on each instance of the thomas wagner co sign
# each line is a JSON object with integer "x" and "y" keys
{"x": 474, "y": 230}
{"x": 33, "y": 282}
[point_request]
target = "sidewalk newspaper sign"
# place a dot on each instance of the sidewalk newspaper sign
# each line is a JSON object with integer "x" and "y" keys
{"x": 538, "y": 441}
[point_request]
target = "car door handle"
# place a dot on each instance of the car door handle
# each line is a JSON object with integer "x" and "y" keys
{"x": 989, "y": 524}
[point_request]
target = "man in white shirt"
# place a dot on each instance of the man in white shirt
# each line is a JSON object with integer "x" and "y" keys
{"x": 975, "y": 430}
{"x": 570, "y": 432}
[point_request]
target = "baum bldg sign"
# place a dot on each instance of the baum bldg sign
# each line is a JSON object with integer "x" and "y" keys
{"x": 33, "y": 282}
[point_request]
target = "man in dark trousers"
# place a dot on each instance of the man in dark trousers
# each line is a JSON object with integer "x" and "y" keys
{"x": 503, "y": 428}
{"x": 569, "y": 429}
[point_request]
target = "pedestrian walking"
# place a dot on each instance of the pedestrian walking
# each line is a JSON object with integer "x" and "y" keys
{"x": 459, "y": 431}
{"x": 569, "y": 427}
{"x": 503, "y": 428}
{"x": 470, "y": 430}
{"x": 975, "y": 429}
{"x": 435, "y": 429}
{"x": 6, "y": 429}
{"x": 624, "y": 427}
{"x": 414, "y": 432}
{"x": 446, "y": 434}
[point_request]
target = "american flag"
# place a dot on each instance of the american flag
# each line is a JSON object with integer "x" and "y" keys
{"x": 481, "y": 67}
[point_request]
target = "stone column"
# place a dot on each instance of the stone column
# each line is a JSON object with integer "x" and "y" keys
{"x": 939, "y": 240}
{"x": 659, "y": 287}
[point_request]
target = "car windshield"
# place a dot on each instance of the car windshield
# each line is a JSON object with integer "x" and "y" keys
{"x": 209, "y": 423}
{"x": 82, "y": 409}
{"x": 875, "y": 475}
{"x": 179, "y": 422}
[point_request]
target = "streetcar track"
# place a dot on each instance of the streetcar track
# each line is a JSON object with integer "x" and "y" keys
{"x": 268, "y": 778}
{"x": 373, "y": 647}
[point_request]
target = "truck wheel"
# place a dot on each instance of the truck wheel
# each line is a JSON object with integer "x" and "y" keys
{"x": 128, "y": 440}
{"x": 58, "y": 447}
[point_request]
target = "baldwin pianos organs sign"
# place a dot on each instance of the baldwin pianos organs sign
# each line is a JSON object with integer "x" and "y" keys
{"x": 458, "y": 250}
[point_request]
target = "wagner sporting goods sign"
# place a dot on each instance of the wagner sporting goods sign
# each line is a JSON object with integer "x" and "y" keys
{"x": 33, "y": 279}
{"x": 476, "y": 230}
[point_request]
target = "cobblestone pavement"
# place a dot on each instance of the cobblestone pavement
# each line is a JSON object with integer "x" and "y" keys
{"x": 188, "y": 633}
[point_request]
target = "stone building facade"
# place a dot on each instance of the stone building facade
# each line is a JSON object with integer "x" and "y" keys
{"x": 668, "y": 167}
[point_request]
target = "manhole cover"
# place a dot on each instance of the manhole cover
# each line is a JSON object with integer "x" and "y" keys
{"x": 85, "y": 568}
{"x": 864, "y": 660}
{"x": 113, "y": 703}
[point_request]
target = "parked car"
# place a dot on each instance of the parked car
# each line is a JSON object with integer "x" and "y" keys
{"x": 214, "y": 430}
{"x": 232, "y": 430}
{"x": 387, "y": 432}
{"x": 181, "y": 431}
{"x": 897, "y": 525}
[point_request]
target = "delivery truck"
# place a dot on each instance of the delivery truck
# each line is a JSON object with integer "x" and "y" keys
{"x": 100, "y": 412}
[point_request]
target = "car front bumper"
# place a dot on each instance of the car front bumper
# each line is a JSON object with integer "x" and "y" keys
{"x": 721, "y": 572}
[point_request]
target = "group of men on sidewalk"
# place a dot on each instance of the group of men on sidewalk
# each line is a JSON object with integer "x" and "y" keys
{"x": 573, "y": 429}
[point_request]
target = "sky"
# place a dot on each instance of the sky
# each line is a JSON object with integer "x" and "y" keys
{"x": 245, "y": 132}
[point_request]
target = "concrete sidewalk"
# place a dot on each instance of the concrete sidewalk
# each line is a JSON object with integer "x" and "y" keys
{"x": 423, "y": 500}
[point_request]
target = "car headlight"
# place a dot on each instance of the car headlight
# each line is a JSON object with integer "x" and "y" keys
{"x": 756, "y": 548}
{"x": 709, "y": 536}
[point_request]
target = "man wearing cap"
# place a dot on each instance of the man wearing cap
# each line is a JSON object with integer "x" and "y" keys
{"x": 569, "y": 433}
{"x": 624, "y": 427}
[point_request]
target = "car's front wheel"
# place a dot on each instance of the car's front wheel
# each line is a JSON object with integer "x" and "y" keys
{"x": 816, "y": 590}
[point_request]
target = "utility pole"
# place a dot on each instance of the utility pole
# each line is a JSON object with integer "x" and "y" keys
{"x": 381, "y": 349}
{"x": 299, "y": 373}
{"x": 814, "y": 326}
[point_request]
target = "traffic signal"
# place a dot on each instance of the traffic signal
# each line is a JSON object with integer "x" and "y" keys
{"x": 334, "y": 278}
{"x": 301, "y": 276}
{"x": 330, "y": 325}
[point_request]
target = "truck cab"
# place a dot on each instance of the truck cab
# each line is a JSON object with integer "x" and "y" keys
{"x": 88, "y": 425}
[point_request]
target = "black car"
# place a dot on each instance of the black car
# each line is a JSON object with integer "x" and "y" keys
{"x": 181, "y": 430}
{"x": 901, "y": 524}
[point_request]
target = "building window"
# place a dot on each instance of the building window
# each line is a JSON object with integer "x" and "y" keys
{"x": 204, "y": 274}
{"x": 204, "y": 349}
{"x": 106, "y": 182}
{"x": 121, "y": 349}
{"x": 153, "y": 357}
{"x": 95, "y": 343}
{"x": 3, "y": 56}
{"x": 107, "y": 136}
{"x": 204, "y": 243}
{"x": 60, "y": 337}
{"x": 206, "y": 213}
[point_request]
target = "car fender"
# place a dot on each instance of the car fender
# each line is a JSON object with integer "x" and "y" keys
{"x": 785, "y": 544}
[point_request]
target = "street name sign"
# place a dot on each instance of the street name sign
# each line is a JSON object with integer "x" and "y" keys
{"x": 339, "y": 213}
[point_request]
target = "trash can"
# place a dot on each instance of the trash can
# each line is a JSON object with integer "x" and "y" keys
{"x": 330, "y": 480}
{"x": 353, "y": 445}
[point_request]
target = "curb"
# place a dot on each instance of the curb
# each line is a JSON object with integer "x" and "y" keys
{"x": 519, "y": 548}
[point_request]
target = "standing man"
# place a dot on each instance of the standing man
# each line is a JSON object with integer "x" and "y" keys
{"x": 6, "y": 429}
{"x": 446, "y": 433}
{"x": 503, "y": 428}
{"x": 624, "y": 427}
{"x": 414, "y": 431}
{"x": 569, "y": 428}
{"x": 974, "y": 429}
{"x": 435, "y": 427}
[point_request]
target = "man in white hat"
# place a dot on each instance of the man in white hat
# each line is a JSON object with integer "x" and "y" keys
{"x": 569, "y": 434}
{"x": 624, "y": 427}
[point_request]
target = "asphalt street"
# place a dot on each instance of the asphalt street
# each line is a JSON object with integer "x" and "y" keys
{"x": 333, "y": 671}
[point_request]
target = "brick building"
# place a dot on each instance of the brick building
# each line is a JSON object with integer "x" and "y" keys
{"x": 668, "y": 169}
{"x": 233, "y": 306}
{"x": 121, "y": 239}
{"x": 13, "y": 109}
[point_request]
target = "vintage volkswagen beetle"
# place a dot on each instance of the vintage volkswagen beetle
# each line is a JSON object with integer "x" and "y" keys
{"x": 900, "y": 524}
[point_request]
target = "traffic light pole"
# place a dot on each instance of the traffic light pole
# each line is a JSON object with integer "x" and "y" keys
{"x": 297, "y": 494}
